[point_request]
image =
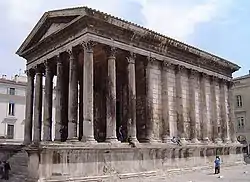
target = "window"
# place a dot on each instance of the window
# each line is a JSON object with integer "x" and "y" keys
{"x": 12, "y": 91}
{"x": 239, "y": 101}
{"x": 241, "y": 122}
{"x": 11, "y": 109}
{"x": 10, "y": 131}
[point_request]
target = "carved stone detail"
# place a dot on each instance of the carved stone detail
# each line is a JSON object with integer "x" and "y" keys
{"x": 89, "y": 45}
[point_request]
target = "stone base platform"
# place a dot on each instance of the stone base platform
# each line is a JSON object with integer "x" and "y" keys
{"x": 57, "y": 162}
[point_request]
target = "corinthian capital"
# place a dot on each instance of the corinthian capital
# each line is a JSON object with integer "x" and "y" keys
{"x": 88, "y": 45}
{"x": 30, "y": 72}
{"x": 131, "y": 58}
{"x": 111, "y": 51}
{"x": 193, "y": 73}
{"x": 167, "y": 64}
{"x": 71, "y": 54}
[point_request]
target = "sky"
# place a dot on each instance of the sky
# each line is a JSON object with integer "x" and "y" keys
{"x": 217, "y": 26}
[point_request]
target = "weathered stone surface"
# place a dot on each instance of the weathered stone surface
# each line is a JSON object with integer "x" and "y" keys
{"x": 60, "y": 162}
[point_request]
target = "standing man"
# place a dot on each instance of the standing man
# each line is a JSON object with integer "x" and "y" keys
{"x": 6, "y": 170}
{"x": 217, "y": 165}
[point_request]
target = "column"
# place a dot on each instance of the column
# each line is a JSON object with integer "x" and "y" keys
{"x": 150, "y": 137}
{"x": 73, "y": 98}
{"x": 231, "y": 113}
{"x": 38, "y": 107}
{"x": 80, "y": 105}
{"x": 193, "y": 76}
{"x": 88, "y": 93}
{"x": 111, "y": 97}
{"x": 131, "y": 98}
{"x": 179, "y": 104}
{"x": 48, "y": 96}
{"x": 29, "y": 107}
{"x": 214, "y": 113}
{"x": 204, "y": 108}
{"x": 165, "y": 103}
{"x": 224, "y": 111}
{"x": 59, "y": 100}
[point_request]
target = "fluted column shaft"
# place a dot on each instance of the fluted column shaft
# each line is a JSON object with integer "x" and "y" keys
{"x": 224, "y": 111}
{"x": 204, "y": 108}
{"x": 88, "y": 93}
{"x": 151, "y": 127}
{"x": 192, "y": 89}
{"x": 29, "y": 108}
{"x": 214, "y": 108}
{"x": 73, "y": 98}
{"x": 231, "y": 113}
{"x": 132, "y": 98}
{"x": 111, "y": 97}
{"x": 165, "y": 103}
{"x": 48, "y": 96}
{"x": 179, "y": 105}
{"x": 38, "y": 107}
{"x": 59, "y": 100}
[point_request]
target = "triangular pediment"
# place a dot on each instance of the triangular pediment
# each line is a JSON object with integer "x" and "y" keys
{"x": 54, "y": 27}
{"x": 50, "y": 23}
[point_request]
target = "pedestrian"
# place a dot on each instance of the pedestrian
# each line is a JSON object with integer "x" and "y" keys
{"x": 217, "y": 163}
{"x": 1, "y": 169}
{"x": 176, "y": 140}
{"x": 120, "y": 137}
{"x": 6, "y": 170}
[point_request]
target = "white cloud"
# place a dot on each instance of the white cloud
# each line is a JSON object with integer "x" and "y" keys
{"x": 179, "y": 19}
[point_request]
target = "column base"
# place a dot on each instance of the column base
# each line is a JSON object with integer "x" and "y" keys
{"x": 217, "y": 141}
{"x": 75, "y": 139}
{"x": 112, "y": 140}
{"x": 227, "y": 140}
{"x": 183, "y": 141}
{"x": 134, "y": 140}
{"x": 167, "y": 139}
{"x": 88, "y": 140}
{"x": 195, "y": 140}
{"x": 206, "y": 140}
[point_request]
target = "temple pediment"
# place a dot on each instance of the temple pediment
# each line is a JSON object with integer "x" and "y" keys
{"x": 50, "y": 23}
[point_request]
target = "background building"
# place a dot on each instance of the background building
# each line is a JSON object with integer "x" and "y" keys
{"x": 241, "y": 93}
{"x": 12, "y": 107}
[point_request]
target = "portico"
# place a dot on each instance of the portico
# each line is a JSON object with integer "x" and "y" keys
{"x": 129, "y": 80}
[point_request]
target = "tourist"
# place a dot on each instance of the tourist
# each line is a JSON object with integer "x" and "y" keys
{"x": 176, "y": 140}
{"x": 217, "y": 165}
{"x": 6, "y": 170}
{"x": 120, "y": 137}
{"x": 1, "y": 169}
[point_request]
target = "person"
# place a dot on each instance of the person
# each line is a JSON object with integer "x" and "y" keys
{"x": 6, "y": 170}
{"x": 176, "y": 140}
{"x": 1, "y": 169}
{"x": 217, "y": 165}
{"x": 120, "y": 138}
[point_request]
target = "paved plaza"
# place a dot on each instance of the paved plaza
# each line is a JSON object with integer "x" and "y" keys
{"x": 239, "y": 173}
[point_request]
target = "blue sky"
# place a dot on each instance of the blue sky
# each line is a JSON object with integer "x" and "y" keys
{"x": 217, "y": 26}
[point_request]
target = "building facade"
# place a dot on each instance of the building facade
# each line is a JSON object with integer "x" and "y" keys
{"x": 12, "y": 106}
{"x": 133, "y": 81}
{"x": 241, "y": 94}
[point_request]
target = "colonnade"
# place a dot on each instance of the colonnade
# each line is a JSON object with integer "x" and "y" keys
{"x": 219, "y": 109}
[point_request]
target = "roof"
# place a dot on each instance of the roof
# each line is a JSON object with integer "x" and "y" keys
{"x": 83, "y": 11}
{"x": 12, "y": 82}
{"x": 242, "y": 77}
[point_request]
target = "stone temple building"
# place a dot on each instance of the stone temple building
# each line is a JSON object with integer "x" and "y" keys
{"x": 114, "y": 77}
